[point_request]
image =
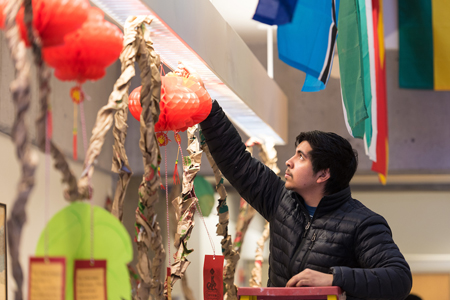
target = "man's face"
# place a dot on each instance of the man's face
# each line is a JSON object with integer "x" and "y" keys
{"x": 299, "y": 172}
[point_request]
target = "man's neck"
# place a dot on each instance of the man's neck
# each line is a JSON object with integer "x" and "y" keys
{"x": 312, "y": 198}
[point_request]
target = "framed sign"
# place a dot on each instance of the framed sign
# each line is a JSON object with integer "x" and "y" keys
{"x": 3, "y": 255}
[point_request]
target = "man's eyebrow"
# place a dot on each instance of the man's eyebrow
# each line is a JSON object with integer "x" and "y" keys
{"x": 302, "y": 153}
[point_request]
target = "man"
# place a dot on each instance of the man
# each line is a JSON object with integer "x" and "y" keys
{"x": 319, "y": 234}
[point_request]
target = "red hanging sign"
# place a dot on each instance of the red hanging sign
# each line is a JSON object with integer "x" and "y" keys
{"x": 47, "y": 278}
{"x": 213, "y": 277}
{"x": 89, "y": 280}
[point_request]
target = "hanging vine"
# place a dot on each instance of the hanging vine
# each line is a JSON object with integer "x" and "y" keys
{"x": 231, "y": 256}
{"x": 268, "y": 156}
{"x": 185, "y": 206}
{"x": 20, "y": 90}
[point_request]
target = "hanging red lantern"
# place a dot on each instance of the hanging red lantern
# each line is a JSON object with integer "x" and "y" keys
{"x": 178, "y": 104}
{"x": 53, "y": 19}
{"x": 204, "y": 98}
{"x": 87, "y": 51}
{"x": 85, "y": 55}
{"x": 184, "y": 103}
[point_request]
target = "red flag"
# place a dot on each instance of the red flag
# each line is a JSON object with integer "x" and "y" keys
{"x": 382, "y": 148}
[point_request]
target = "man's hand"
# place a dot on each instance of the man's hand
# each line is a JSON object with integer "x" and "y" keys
{"x": 184, "y": 70}
{"x": 309, "y": 277}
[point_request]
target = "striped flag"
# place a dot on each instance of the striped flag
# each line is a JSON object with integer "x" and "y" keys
{"x": 424, "y": 44}
{"x": 382, "y": 146}
{"x": 363, "y": 77}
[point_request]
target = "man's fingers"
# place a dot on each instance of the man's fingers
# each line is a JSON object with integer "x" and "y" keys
{"x": 302, "y": 282}
{"x": 293, "y": 281}
{"x": 185, "y": 70}
{"x": 186, "y": 67}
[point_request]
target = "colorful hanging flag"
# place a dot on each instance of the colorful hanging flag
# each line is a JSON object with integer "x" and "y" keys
{"x": 308, "y": 42}
{"x": 363, "y": 77}
{"x": 351, "y": 67}
{"x": 424, "y": 44}
{"x": 382, "y": 146}
{"x": 275, "y": 12}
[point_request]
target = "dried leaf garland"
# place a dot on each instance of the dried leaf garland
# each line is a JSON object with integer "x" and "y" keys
{"x": 176, "y": 190}
{"x": 117, "y": 101}
{"x": 185, "y": 206}
{"x": 149, "y": 234}
{"x": 44, "y": 75}
{"x": 120, "y": 164}
{"x": 245, "y": 216}
{"x": 231, "y": 256}
{"x": 255, "y": 280}
{"x": 20, "y": 90}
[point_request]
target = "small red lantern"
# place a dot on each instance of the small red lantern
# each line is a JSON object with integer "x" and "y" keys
{"x": 178, "y": 104}
{"x": 184, "y": 103}
{"x": 87, "y": 51}
{"x": 204, "y": 98}
{"x": 85, "y": 55}
{"x": 53, "y": 19}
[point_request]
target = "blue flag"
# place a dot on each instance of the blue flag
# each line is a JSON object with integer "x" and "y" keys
{"x": 275, "y": 12}
{"x": 308, "y": 42}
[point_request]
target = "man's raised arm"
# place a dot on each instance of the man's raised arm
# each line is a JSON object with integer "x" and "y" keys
{"x": 255, "y": 182}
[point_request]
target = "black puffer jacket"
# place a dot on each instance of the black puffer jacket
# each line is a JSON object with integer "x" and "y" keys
{"x": 344, "y": 237}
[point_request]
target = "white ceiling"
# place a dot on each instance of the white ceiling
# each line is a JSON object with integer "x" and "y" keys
{"x": 239, "y": 14}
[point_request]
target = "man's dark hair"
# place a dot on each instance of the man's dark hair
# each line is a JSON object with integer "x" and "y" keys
{"x": 331, "y": 151}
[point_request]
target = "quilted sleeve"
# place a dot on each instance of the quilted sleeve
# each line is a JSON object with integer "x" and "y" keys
{"x": 255, "y": 182}
{"x": 384, "y": 272}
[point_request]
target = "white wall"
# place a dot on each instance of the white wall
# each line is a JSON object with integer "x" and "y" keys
{"x": 62, "y": 107}
{"x": 35, "y": 209}
{"x": 420, "y": 223}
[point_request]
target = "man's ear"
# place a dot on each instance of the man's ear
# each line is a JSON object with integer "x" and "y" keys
{"x": 324, "y": 175}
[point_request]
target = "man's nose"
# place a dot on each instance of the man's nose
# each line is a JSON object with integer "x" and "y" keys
{"x": 288, "y": 163}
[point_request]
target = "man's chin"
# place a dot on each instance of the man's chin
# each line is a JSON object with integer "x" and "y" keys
{"x": 288, "y": 186}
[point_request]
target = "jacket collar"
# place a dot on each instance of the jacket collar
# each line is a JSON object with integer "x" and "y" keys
{"x": 328, "y": 203}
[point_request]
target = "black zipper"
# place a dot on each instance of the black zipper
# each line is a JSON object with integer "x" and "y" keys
{"x": 305, "y": 258}
{"x": 302, "y": 243}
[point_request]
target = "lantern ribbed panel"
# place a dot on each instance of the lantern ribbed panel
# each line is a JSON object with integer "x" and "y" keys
{"x": 183, "y": 104}
{"x": 53, "y": 19}
{"x": 87, "y": 51}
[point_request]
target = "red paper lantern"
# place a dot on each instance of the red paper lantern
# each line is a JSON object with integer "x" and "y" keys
{"x": 87, "y": 51}
{"x": 53, "y": 19}
{"x": 178, "y": 104}
{"x": 184, "y": 103}
{"x": 204, "y": 98}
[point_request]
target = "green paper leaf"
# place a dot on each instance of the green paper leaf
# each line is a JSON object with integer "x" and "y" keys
{"x": 205, "y": 194}
{"x": 69, "y": 235}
